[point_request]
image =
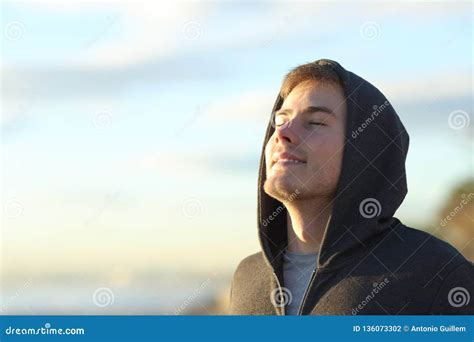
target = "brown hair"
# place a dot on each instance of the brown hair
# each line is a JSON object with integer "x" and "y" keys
{"x": 315, "y": 71}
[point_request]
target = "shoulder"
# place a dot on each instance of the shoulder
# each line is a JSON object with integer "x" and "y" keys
{"x": 431, "y": 249}
{"x": 251, "y": 264}
{"x": 251, "y": 287}
{"x": 413, "y": 253}
{"x": 253, "y": 259}
{"x": 414, "y": 247}
{"x": 252, "y": 271}
{"x": 442, "y": 271}
{"x": 454, "y": 293}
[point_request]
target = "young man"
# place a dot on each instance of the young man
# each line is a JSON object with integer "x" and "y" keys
{"x": 332, "y": 175}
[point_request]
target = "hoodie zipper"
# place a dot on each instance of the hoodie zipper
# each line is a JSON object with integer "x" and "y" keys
{"x": 311, "y": 281}
{"x": 313, "y": 275}
{"x": 280, "y": 291}
{"x": 315, "y": 271}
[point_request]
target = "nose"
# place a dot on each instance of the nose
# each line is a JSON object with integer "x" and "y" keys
{"x": 286, "y": 133}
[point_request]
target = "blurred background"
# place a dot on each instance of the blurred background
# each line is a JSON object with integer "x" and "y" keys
{"x": 131, "y": 134}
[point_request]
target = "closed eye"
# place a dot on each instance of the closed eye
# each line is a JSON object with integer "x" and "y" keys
{"x": 317, "y": 123}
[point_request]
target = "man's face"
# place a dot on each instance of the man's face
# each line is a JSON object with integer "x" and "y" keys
{"x": 305, "y": 151}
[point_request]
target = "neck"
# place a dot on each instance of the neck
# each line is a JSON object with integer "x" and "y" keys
{"x": 306, "y": 223}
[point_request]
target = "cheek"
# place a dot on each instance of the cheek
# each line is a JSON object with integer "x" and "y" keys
{"x": 268, "y": 151}
{"x": 327, "y": 148}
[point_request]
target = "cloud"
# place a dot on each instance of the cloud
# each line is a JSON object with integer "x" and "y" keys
{"x": 154, "y": 30}
{"x": 444, "y": 85}
{"x": 184, "y": 41}
{"x": 151, "y": 30}
{"x": 175, "y": 163}
{"x": 247, "y": 108}
{"x": 68, "y": 81}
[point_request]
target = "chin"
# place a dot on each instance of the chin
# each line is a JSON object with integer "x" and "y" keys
{"x": 282, "y": 189}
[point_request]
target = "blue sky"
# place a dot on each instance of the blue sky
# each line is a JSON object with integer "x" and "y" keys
{"x": 131, "y": 131}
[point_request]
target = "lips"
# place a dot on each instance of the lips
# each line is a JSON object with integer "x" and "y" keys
{"x": 285, "y": 158}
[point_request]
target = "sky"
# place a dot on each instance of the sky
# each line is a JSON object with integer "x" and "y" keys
{"x": 131, "y": 131}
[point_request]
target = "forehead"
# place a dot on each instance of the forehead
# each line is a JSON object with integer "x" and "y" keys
{"x": 316, "y": 94}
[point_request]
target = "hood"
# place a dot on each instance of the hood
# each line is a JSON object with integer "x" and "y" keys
{"x": 371, "y": 186}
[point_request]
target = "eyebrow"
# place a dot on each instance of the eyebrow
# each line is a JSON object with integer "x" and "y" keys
{"x": 307, "y": 110}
